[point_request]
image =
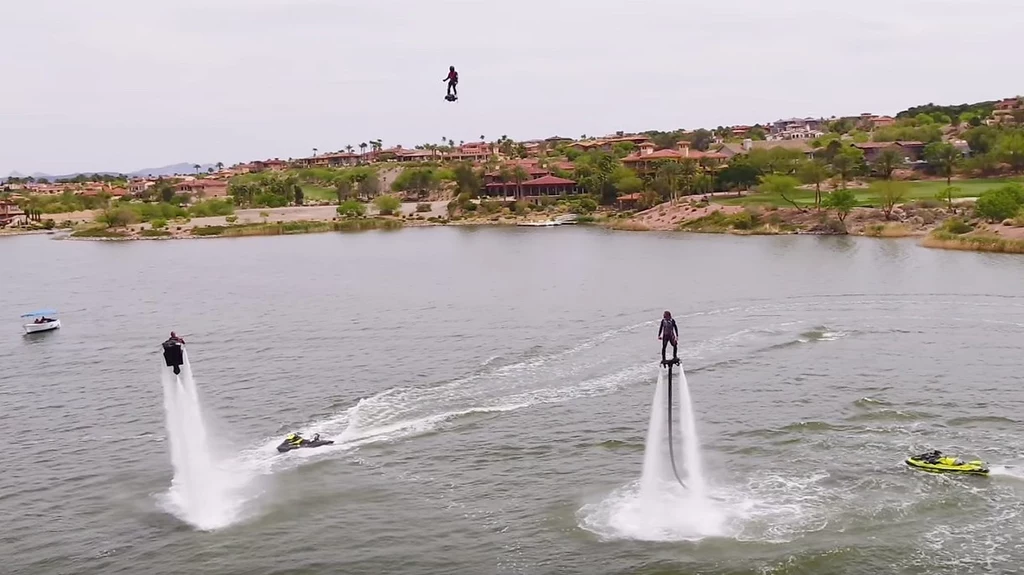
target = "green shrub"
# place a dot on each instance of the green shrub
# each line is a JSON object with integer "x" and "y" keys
{"x": 212, "y": 207}
{"x": 155, "y": 233}
{"x": 117, "y": 217}
{"x": 148, "y": 212}
{"x": 158, "y": 224}
{"x": 490, "y": 206}
{"x": 583, "y": 206}
{"x": 387, "y": 204}
{"x": 1000, "y": 203}
{"x": 231, "y": 219}
{"x": 743, "y": 221}
{"x": 956, "y": 226}
{"x": 351, "y": 208}
{"x": 928, "y": 204}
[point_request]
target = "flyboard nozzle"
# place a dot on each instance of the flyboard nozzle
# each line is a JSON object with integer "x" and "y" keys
{"x": 671, "y": 449}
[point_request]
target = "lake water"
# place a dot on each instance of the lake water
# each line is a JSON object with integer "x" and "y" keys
{"x": 491, "y": 389}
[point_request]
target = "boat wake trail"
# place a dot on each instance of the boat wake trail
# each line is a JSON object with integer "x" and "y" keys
{"x": 1014, "y": 471}
{"x": 206, "y": 491}
{"x": 495, "y": 388}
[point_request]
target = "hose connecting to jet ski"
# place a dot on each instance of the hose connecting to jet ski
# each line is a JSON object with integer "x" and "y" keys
{"x": 671, "y": 449}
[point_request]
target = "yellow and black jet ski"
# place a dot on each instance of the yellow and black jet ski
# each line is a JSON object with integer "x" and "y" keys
{"x": 936, "y": 462}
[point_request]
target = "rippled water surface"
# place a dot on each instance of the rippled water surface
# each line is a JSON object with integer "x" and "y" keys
{"x": 490, "y": 392}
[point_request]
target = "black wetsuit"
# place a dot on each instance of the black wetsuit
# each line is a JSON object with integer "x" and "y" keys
{"x": 453, "y": 82}
{"x": 172, "y": 353}
{"x": 669, "y": 332}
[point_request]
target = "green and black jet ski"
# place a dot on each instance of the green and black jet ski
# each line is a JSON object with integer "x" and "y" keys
{"x": 295, "y": 441}
{"x": 936, "y": 462}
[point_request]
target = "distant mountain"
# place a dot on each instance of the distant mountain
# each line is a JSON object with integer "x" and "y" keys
{"x": 183, "y": 168}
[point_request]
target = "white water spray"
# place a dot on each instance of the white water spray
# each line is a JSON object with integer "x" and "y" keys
{"x": 658, "y": 508}
{"x": 691, "y": 444}
{"x": 201, "y": 492}
{"x": 658, "y": 460}
{"x": 657, "y": 465}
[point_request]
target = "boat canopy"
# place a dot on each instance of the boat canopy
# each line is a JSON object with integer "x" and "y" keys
{"x": 40, "y": 313}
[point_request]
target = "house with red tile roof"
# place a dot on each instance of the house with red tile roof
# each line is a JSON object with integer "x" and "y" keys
{"x": 137, "y": 187}
{"x": 546, "y": 186}
{"x": 275, "y": 165}
{"x": 608, "y": 144}
{"x": 203, "y": 188}
{"x": 330, "y": 160}
{"x": 882, "y": 122}
{"x": 9, "y": 213}
{"x": 910, "y": 151}
{"x": 647, "y": 158}
{"x": 1008, "y": 111}
{"x": 730, "y": 150}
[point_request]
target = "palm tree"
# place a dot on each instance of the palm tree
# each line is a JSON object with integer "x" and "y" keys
{"x": 482, "y": 138}
{"x": 669, "y": 172}
{"x": 314, "y": 152}
{"x": 505, "y": 175}
{"x": 451, "y": 143}
{"x": 687, "y": 170}
{"x": 220, "y": 166}
{"x": 362, "y": 148}
{"x": 519, "y": 175}
{"x": 348, "y": 148}
{"x": 197, "y": 167}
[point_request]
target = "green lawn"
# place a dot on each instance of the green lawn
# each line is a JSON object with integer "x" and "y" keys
{"x": 918, "y": 191}
{"x": 313, "y": 192}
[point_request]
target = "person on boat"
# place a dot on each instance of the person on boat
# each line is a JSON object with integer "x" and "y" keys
{"x": 668, "y": 332}
{"x": 453, "y": 81}
{"x": 175, "y": 339}
{"x": 295, "y": 439}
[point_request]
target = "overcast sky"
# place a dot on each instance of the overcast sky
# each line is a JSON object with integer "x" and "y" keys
{"x": 128, "y": 84}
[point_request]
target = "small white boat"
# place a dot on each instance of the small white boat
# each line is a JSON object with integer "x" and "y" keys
{"x": 545, "y": 224}
{"x": 43, "y": 321}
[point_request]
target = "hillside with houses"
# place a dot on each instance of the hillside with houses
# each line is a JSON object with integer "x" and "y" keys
{"x": 795, "y": 162}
